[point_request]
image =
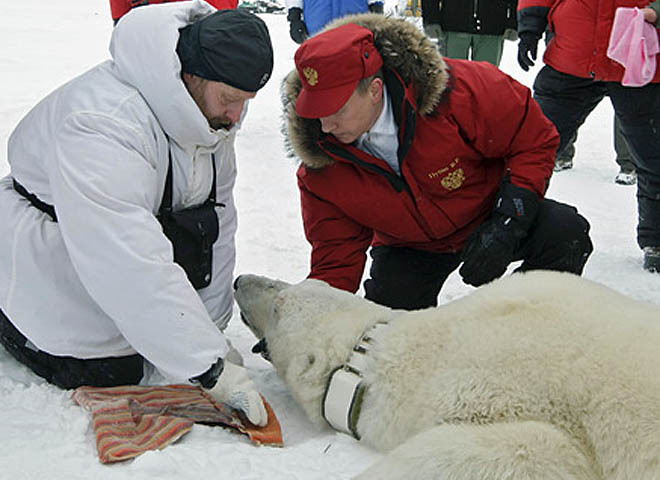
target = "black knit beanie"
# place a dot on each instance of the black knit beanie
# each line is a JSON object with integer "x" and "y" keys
{"x": 229, "y": 46}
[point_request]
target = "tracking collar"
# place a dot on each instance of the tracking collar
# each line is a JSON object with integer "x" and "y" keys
{"x": 345, "y": 391}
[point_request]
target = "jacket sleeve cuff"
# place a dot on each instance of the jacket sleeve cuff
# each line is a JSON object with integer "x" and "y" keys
{"x": 533, "y": 20}
{"x": 209, "y": 378}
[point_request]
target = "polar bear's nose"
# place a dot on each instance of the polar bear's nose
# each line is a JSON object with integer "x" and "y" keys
{"x": 238, "y": 279}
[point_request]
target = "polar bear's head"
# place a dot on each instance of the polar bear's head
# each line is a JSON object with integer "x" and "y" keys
{"x": 310, "y": 329}
{"x": 255, "y": 296}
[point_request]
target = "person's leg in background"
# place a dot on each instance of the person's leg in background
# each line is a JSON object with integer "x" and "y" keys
{"x": 638, "y": 110}
{"x": 564, "y": 158}
{"x": 456, "y": 45}
{"x": 488, "y": 48}
{"x": 627, "y": 173}
{"x": 567, "y": 101}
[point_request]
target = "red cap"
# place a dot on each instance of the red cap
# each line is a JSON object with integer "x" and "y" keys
{"x": 330, "y": 65}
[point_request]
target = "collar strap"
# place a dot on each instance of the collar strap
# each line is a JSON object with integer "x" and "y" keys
{"x": 345, "y": 391}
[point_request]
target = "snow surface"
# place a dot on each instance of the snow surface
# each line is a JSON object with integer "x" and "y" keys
{"x": 44, "y": 435}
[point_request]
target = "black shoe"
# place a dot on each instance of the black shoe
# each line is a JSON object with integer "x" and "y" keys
{"x": 652, "y": 259}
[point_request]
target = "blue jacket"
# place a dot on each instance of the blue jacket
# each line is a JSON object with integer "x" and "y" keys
{"x": 318, "y": 13}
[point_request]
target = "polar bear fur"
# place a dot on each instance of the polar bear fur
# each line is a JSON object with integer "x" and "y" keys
{"x": 539, "y": 375}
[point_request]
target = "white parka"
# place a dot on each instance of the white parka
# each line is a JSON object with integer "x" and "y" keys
{"x": 101, "y": 281}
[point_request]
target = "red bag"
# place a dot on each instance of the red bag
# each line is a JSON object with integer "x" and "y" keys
{"x": 119, "y": 8}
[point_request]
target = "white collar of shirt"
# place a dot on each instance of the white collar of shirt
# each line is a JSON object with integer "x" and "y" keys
{"x": 382, "y": 140}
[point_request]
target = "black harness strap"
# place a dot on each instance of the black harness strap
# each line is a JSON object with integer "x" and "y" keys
{"x": 166, "y": 202}
{"x": 34, "y": 200}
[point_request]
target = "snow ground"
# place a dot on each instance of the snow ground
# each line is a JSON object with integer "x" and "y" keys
{"x": 44, "y": 435}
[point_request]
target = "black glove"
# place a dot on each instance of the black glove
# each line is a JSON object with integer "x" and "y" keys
{"x": 297, "y": 28}
{"x": 527, "y": 47}
{"x": 376, "y": 7}
{"x": 493, "y": 245}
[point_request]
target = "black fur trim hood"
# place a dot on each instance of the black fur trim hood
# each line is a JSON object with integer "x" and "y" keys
{"x": 404, "y": 48}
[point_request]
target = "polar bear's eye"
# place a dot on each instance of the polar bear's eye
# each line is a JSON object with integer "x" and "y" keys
{"x": 311, "y": 359}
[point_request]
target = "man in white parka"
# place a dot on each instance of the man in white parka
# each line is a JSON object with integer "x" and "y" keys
{"x": 112, "y": 179}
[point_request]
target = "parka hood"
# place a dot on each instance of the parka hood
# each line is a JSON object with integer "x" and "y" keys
{"x": 404, "y": 48}
{"x": 143, "y": 49}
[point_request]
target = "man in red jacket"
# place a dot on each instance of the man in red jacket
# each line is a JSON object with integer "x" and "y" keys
{"x": 431, "y": 162}
{"x": 119, "y": 8}
{"x": 578, "y": 74}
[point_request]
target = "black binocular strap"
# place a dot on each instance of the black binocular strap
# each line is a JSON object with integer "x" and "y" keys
{"x": 34, "y": 200}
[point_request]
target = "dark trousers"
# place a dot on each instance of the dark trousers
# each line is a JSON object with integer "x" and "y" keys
{"x": 411, "y": 279}
{"x": 623, "y": 156}
{"x": 567, "y": 101}
{"x": 70, "y": 372}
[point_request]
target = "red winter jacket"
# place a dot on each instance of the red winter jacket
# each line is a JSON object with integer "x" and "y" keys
{"x": 119, "y": 8}
{"x": 460, "y": 129}
{"x": 582, "y": 32}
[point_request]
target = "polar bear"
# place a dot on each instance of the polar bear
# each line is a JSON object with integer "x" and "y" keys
{"x": 539, "y": 375}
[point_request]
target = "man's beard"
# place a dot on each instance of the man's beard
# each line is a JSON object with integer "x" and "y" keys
{"x": 216, "y": 123}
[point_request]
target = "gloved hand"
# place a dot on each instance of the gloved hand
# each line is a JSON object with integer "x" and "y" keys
{"x": 376, "y": 7}
{"x": 527, "y": 46}
{"x": 235, "y": 388}
{"x": 489, "y": 250}
{"x": 297, "y": 28}
{"x": 493, "y": 245}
